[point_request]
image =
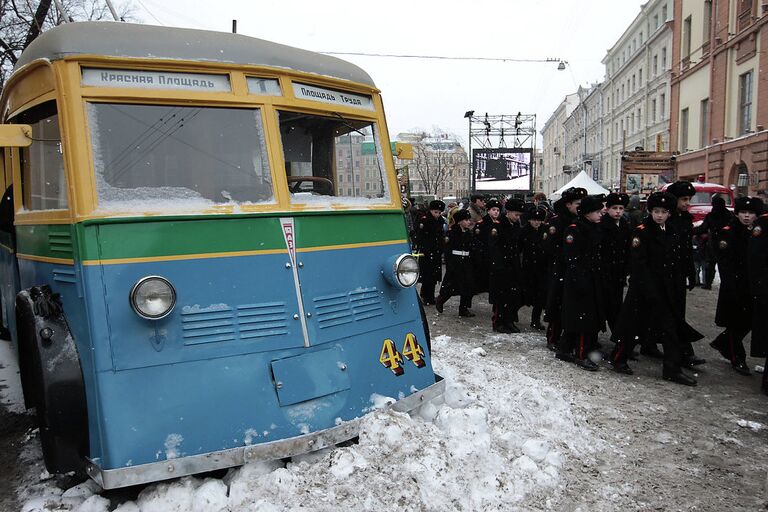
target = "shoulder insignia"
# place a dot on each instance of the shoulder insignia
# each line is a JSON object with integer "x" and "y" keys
{"x": 479, "y": 221}
{"x": 572, "y": 225}
{"x": 635, "y": 242}
{"x": 544, "y": 236}
{"x": 569, "y": 239}
{"x": 726, "y": 228}
{"x": 723, "y": 244}
{"x": 641, "y": 226}
{"x": 552, "y": 230}
{"x": 757, "y": 231}
{"x": 494, "y": 232}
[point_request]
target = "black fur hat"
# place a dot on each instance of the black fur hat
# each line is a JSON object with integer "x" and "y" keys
{"x": 538, "y": 214}
{"x": 574, "y": 194}
{"x": 614, "y": 199}
{"x": 514, "y": 205}
{"x": 461, "y": 215}
{"x": 681, "y": 189}
{"x": 662, "y": 200}
{"x": 492, "y": 203}
{"x": 591, "y": 204}
{"x": 749, "y": 204}
{"x": 437, "y": 205}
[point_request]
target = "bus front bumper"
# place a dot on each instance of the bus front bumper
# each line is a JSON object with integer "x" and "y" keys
{"x": 182, "y": 466}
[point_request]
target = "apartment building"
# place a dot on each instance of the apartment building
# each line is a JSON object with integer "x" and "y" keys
{"x": 719, "y": 103}
{"x": 556, "y": 168}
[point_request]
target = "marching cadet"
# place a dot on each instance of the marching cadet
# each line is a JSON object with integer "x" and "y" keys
{"x": 566, "y": 209}
{"x": 684, "y": 269}
{"x": 534, "y": 275}
{"x": 758, "y": 280}
{"x": 650, "y": 310}
{"x": 614, "y": 255}
{"x": 459, "y": 275}
{"x": 513, "y": 290}
{"x": 734, "y": 303}
{"x": 498, "y": 237}
{"x": 429, "y": 241}
{"x": 583, "y": 312}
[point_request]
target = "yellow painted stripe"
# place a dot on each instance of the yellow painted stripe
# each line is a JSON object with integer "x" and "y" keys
{"x": 45, "y": 259}
{"x": 178, "y": 257}
{"x": 350, "y": 246}
{"x": 7, "y": 248}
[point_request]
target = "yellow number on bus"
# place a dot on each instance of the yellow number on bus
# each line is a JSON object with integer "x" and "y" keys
{"x": 391, "y": 358}
{"x": 413, "y": 351}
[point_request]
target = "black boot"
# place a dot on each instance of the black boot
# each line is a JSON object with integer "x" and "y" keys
{"x": 651, "y": 350}
{"x": 691, "y": 361}
{"x": 622, "y": 368}
{"x": 742, "y": 368}
{"x": 587, "y": 364}
{"x": 679, "y": 377}
{"x": 439, "y": 302}
{"x": 715, "y": 344}
{"x": 466, "y": 313}
{"x": 564, "y": 356}
{"x": 501, "y": 328}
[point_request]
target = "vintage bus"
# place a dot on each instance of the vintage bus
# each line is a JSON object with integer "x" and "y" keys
{"x": 204, "y": 258}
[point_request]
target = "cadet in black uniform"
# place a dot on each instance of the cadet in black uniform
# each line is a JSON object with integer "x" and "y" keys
{"x": 566, "y": 211}
{"x": 500, "y": 239}
{"x": 509, "y": 282}
{"x": 758, "y": 280}
{"x": 684, "y": 269}
{"x": 459, "y": 277}
{"x": 709, "y": 229}
{"x": 429, "y": 240}
{"x": 583, "y": 311}
{"x": 734, "y": 303}
{"x": 649, "y": 310}
{"x": 614, "y": 255}
{"x": 534, "y": 275}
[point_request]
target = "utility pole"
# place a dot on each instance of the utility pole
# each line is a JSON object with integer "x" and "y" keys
{"x": 111, "y": 9}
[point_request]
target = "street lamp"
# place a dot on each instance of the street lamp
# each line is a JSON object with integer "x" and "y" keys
{"x": 468, "y": 116}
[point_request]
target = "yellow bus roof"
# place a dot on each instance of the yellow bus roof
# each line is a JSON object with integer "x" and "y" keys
{"x": 114, "y": 39}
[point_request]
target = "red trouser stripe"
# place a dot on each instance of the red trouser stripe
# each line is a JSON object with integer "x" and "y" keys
{"x": 581, "y": 346}
{"x": 619, "y": 351}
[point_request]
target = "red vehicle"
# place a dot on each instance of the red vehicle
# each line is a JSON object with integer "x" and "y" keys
{"x": 701, "y": 202}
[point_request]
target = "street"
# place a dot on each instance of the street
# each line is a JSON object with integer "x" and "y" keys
{"x": 519, "y": 430}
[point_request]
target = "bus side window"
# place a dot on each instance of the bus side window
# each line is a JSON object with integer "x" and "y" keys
{"x": 43, "y": 184}
{"x": 7, "y": 212}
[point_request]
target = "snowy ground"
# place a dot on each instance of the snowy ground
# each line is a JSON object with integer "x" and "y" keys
{"x": 517, "y": 430}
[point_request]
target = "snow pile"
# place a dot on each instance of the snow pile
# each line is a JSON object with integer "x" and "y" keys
{"x": 496, "y": 440}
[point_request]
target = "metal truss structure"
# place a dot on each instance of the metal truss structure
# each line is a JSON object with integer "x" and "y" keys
{"x": 501, "y": 131}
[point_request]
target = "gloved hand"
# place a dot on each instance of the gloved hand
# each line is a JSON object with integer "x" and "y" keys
{"x": 691, "y": 282}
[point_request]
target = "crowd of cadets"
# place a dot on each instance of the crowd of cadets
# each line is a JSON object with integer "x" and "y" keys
{"x": 575, "y": 263}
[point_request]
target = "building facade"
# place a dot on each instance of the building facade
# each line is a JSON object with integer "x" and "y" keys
{"x": 556, "y": 169}
{"x": 719, "y": 103}
{"x": 636, "y": 90}
{"x": 439, "y": 167}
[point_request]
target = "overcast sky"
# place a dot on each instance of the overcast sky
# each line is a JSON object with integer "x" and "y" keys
{"x": 421, "y": 93}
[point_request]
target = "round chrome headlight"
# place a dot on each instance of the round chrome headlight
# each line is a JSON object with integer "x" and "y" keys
{"x": 406, "y": 270}
{"x": 153, "y": 297}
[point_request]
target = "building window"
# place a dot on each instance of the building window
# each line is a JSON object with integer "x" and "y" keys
{"x": 664, "y": 59}
{"x": 664, "y": 13}
{"x": 653, "y": 110}
{"x": 639, "y": 118}
{"x": 663, "y": 106}
{"x": 655, "y": 21}
{"x": 655, "y": 65}
{"x": 634, "y": 84}
{"x": 704, "y": 136}
{"x": 707, "y": 20}
{"x": 684, "y": 130}
{"x": 640, "y": 77}
{"x": 687, "y": 38}
{"x": 745, "y": 102}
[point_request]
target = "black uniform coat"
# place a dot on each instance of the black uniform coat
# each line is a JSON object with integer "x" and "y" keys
{"x": 734, "y": 302}
{"x": 480, "y": 259}
{"x": 459, "y": 275}
{"x": 650, "y": 305}
{"x": 503, "y": 253}
{"x": 553, "y": 248}
{"x": 614, "y": 263}
{"x": 430, "y": 240}
{"x": 758, "y": 280}
{"x": 534, "y": 271}
{"x": 713, "y": 222}
{"x": 684, "y": 269}
{"x": 583, "y": 310}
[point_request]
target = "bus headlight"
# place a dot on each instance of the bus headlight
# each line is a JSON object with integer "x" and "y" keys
{"x": 402, "y": 271}
{"x": 153, "y": 297}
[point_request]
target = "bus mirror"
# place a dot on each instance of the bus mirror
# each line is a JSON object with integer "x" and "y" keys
{"x": 15, "y": 135}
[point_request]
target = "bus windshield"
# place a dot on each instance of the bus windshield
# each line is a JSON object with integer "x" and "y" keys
{"x": 332, "y": 156}
{"x": 161, "y": 157}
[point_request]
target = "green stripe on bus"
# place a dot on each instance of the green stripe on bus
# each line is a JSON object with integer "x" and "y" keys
{"x": 45, "y": 240}
{"x": 227, "y": 235}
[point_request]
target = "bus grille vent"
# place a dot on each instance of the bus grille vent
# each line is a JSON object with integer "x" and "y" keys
{"x": 344, "y": 308}
{"x": 207, "y": 325}
{"x": 60, "y": 243}
{"x": 259, "y": 320}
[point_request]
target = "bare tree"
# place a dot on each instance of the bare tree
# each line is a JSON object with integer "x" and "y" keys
{"x": 21, "y": 21}
{"x": 437, "y": 157}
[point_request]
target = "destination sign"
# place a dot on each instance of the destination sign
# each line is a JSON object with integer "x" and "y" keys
{"x": 264, "y": 86}
{"x": 312, "y": 93}
{"x": 135, "y": 79}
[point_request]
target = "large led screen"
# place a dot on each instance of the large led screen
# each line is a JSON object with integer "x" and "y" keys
{"x": 502, "y": 169}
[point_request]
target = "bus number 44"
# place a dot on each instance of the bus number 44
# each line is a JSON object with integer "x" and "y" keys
{"x": 393, "y": 359}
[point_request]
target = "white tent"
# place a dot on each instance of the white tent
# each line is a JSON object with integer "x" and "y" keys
{"x": 584, "y": 181}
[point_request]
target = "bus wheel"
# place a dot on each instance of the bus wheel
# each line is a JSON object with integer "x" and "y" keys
{"x": 52, "y": 379}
